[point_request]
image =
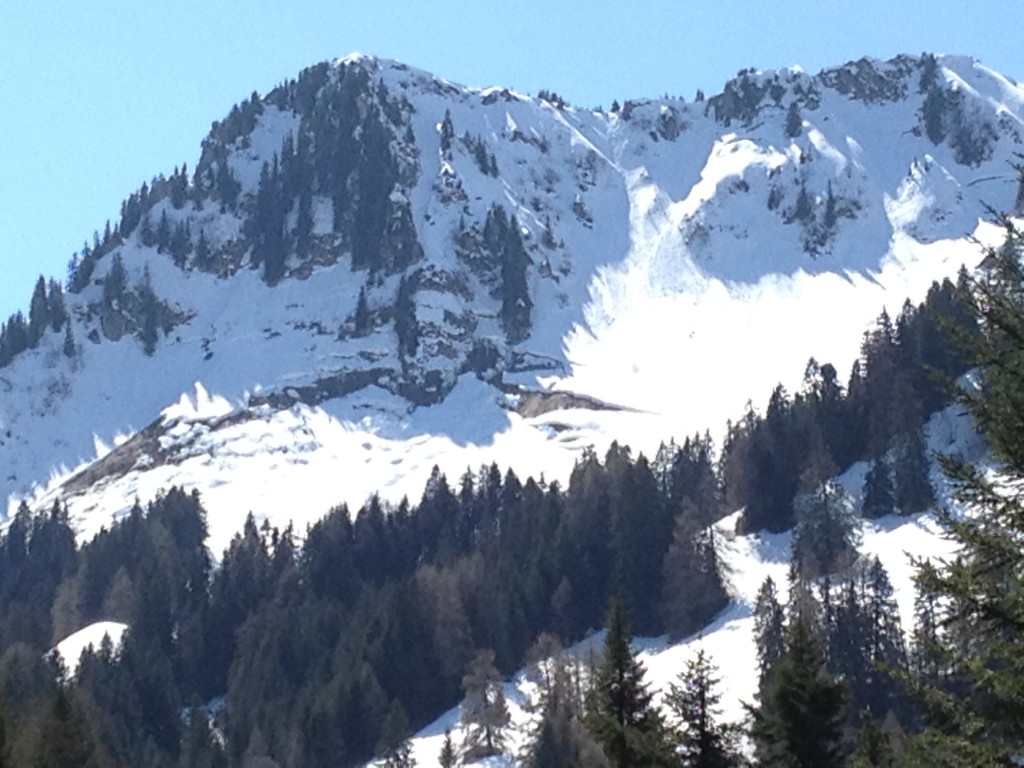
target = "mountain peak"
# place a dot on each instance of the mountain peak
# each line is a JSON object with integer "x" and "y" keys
{"x": 367, "y": 247}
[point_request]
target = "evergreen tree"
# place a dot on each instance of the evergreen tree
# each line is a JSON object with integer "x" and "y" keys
{"x": 874, "y": 745}
{"x": 69, "y": 342}
{"x": 362, "y": 316}
{"x": 914, "y": 491}
{"x": 794, "y": 123}
{"x": 484, "y": 709}
{"x": 826, "y": 535}
{"x": 56, "y": 306}
{"x": 38, "y": 313}
{"x": 620, "y": 713}
{"x": 800, "y": 722}
{"x": 769, "y": 632}
{"x": 980, "y": 720}
{"x": 202, "y": 251}
{"x": 701, "y": 741}
{"x": 879, "y": 489}
{"x": 115, "y": 283}
{"x": 447, "y": 758}
{"x": 516, "y": 305}
{"x": 66, "y": 738}
{"x": 149, "y": 307}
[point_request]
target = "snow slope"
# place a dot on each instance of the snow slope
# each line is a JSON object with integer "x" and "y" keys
{"x": 746, "y": 561}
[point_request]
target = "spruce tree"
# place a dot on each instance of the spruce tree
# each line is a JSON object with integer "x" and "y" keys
{"x": 447, "y": 757}
{"x": 800, "y": 722}
{"x": 769, "y": 632}
{"x": 879, "y": 490}
{"x": 826, "y": 535}
{"x": 620, "y": 713}
{"x": 700, "y": 740}
{"x": 980, "y": 720}
{"x": 914, "y": 491}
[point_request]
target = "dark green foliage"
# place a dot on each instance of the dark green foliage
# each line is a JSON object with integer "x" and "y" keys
{"x": 620, "y": 713}
{"x": 769, "y": 632}
{"x": 865, "y": 641}
{"x": 977, "y": 716}
{"x": 700, "y": 740}
{"x": 874, "y": 745}
{"x": 800, "y": 721}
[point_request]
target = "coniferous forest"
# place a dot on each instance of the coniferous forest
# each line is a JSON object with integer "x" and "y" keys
{"x": 330, "y": 646}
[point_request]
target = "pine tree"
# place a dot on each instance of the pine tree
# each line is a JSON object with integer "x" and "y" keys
{"x": 700, "y": 740}
{"x": 620, "y": 713}
{"x": 980, "y": 721}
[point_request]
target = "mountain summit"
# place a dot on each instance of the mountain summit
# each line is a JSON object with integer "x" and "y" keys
{"x": 371, "y": 271}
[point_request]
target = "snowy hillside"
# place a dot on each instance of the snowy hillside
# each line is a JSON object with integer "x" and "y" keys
{"x": 666, "y": 249}
{"x": 748, "y": 560}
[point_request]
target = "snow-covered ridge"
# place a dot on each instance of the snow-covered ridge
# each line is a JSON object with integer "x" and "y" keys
{"x": 678, "y": 267}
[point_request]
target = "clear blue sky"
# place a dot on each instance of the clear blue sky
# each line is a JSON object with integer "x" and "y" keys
{"x": 101, "y": 95}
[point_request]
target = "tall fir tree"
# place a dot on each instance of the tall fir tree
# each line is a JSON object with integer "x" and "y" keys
{"x": 769, "y": 632}
{"x": 800, "y": 723}
{"x": 620, "y": 711}
{"x": 700, "y": 739}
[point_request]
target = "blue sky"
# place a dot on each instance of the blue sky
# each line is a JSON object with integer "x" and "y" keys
{"x": 99, "y": 96}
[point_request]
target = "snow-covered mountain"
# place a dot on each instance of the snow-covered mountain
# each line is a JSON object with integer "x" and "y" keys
{"x": 372, "y": 270}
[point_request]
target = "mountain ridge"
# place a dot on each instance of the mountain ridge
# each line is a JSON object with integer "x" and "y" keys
{"x": 610, "y": 224}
